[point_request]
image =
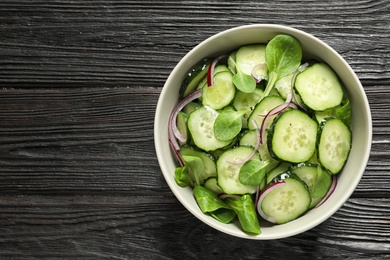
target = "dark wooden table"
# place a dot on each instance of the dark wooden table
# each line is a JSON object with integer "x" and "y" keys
{"x": 79, "y": 83}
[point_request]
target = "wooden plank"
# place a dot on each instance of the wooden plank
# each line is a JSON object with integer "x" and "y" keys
{"x": 113, "y": 43}
{"x": 82, "y": 140}
{"x": 158, "y": 227}
{"x": 78, "y": 140}
{"x": 79, "y": 82}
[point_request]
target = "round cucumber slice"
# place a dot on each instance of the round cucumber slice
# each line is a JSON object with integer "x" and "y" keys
{"x": 292, "y": 137}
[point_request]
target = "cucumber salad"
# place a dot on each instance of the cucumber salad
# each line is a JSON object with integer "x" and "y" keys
{"x": 260, "y": 133}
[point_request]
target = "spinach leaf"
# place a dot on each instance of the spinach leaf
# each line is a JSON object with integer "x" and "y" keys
{"x": 253, "y": 172}
{"x": 321, "y": 183}
{"x": 344, "y": 113}
{"x": 228, "y": 124}
{"x": 224, "y": 215}
{"x": 246, "y": 213}
{"x": 283, "y": 55}
{"x": 195, "y": 168}
{"x": 207, "y": 200}
{"x": 182, "y": 178}
{"x": 244, "y": 82}
{"x": 231, "y": 62}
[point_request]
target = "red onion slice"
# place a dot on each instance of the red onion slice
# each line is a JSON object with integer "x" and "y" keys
{"x": 173, "y": 132}
{"x": 276, "y": 110}
{"x": 176, "y": 152}
{"x": 210, "y": 71}
{"x": 263, "y": 194}
{"x": 330, "y": 191}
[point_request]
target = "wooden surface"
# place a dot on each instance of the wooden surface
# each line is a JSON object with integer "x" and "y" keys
{"x": 79, "y": 83}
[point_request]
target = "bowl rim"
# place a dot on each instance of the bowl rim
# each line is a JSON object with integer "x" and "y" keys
{"x": 169, "y": 175}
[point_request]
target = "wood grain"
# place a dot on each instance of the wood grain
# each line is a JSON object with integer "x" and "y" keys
{"x": 121, "y": 42}
{"x": 79, "y": 84}
{"x": 123, "y": 227}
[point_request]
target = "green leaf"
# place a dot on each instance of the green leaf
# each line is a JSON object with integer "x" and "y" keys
{"x": 207, "y": 200}
{"x": 246, "y": 213}
{"x": 195, "y": 167}
{"x": 253, "y": 172}
{"x": 243, "y": 82}
{"x": 228, "y": 124}
{"x": 321, "y": 183}
{"x": 182, "y": 178}
{"x": 283, "y": 55}
{"x": 224, "y": 215}
{"x": 344, "y": 113}
{"x": 231, "y": 62}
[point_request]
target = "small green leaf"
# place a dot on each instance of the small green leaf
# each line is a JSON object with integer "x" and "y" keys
{"x": 195, "y": 167}
{"x": 224, "y": 215}
{"x": 207, "y": 200}
{"x": 243, "y": 82}
{"x": 246, "y": 213}
{"x": 344, "y": 113}
{"x": 182, "y": 178}
{"x": 321, "y": 183}
{"x": 253, "y": 172}
{"x": 283, "y": 55}
{"x": 231, "y": 62}
{"x": 228, "y": 124}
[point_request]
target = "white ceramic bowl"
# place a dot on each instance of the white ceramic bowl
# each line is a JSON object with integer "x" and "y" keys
{"x": 231, "y": 39}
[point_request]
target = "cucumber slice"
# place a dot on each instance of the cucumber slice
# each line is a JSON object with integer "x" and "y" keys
{"x": 292, "y": 137}
{"x": 262, "y": 108}
{"x": 247, "y": 101}
{"x": 212, "y": 185}
{"x": 248, "y": 138}
{"x": 280, "y": 168}
{"x": 265, "y": 155}
{"x": 181, "y": 122}
{"x": 190, "y": 107}
{"x": 228, "y": 172}
{"x": 319, "y": 87}
{"x": 210, "y": 168}
{"x": 317, "y": 180}
{"x": 285, "y": 202}
{"x": 334, "y": 145}
{"x": 220, "y": 68}
{"x": 194, "y": 76}
{"x": 231, "y": 62}
{"x": 201, "y": 126}
{"x": 283, "y": 86}
{"x": 248, "y": 56}
{"x": 203, "y": 82}
{"x": 221, "y": 93}
{"x": 307, "y": 173}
